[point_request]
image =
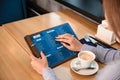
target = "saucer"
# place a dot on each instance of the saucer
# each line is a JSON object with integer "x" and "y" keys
{"x": 84, "y": 71}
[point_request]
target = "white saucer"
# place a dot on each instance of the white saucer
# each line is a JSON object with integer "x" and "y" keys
{"x": 84, "y": 71}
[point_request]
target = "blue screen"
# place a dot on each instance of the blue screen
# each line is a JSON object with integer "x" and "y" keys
{"x": 55, "y": 52}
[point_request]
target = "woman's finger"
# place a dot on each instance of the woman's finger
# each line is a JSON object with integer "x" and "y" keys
{"x": 68, "y": 36}
{"x": 62, "y": 40}
{"x": 42, "y": 55}
{"x": 65, "y": 36}
{"x": 65, "y": 45}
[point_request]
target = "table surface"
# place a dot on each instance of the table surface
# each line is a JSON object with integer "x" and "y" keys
{"x": 14, "y": 60}
{"x": 17, "y": 64}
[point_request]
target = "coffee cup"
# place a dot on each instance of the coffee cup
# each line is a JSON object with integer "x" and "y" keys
{"x": 85, "y": 58}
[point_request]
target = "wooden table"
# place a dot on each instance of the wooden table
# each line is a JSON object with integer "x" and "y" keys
{"x": 14, "y": 60}
{"x": 21, "y": 61}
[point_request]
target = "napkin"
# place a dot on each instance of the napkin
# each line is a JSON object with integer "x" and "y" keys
{"x": 105, "y": 35}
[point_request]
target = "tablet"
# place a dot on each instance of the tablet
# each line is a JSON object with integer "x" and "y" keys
{"x": 45, "y": 41}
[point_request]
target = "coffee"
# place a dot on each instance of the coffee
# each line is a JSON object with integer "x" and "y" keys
{"x": 86, "y": 56}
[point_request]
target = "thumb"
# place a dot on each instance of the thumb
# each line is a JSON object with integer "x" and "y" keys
{"x": 42, "y": 55}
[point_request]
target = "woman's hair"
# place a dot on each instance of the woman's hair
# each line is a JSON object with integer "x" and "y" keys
{"x": 112, "y": 11}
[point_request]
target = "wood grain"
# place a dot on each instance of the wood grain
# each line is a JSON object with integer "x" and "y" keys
{"x": 14, "y": 61}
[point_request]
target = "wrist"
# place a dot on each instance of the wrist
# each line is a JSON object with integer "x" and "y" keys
{"x": 79, "y": 48}
{"x": 42, "y": 70}
{"x": 46, "y": 71}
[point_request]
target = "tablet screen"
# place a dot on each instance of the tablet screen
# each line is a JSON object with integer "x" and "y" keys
{"x": 45, "y": 41}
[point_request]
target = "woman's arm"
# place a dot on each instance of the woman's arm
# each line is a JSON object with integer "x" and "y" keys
{"x": 41, "y": 66}
{"x": 110, "y": 72}
{"x": 104, "y": 55}
{"x": 48, "y": 74}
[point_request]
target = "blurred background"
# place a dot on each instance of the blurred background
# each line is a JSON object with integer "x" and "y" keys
{"x": 20, "y": 9}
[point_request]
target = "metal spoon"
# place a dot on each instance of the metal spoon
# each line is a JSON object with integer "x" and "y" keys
{"x": 92, "y": 66}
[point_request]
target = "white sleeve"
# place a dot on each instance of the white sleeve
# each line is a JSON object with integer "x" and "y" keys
{"x": 104, "y": 55}
{"x": 48, "y": 74}
{"x": 110, "y": 72}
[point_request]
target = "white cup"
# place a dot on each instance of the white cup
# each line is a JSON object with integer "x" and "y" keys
{"x": 86, "y": 58}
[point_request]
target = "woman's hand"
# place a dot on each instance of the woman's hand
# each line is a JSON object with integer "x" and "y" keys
{"x": 69, "y": 42}
{"x": 39, "y": 64}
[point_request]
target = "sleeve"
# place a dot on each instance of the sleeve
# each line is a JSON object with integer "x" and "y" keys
{"x": 48, "y": 74}
{"x": 110, "y": 72}
{"x": 104, "y": 55}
